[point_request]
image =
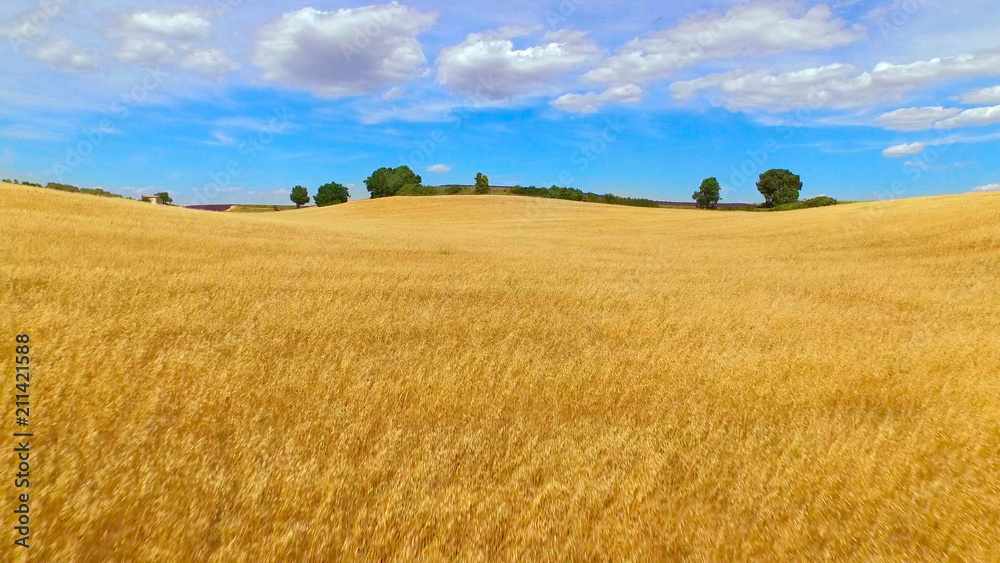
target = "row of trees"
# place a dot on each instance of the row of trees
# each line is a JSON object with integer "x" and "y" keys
{"x": 386, "y": 182}
{"x": 778, "y": 186}
{"x": 73, "y": 189}
{"x": 327, "y": 194}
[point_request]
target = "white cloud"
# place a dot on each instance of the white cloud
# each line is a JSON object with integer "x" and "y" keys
{"x": 919, "y": 119}
{"x": 988, "y": 188}
{"x": 154, "y": 38}
{"x": 591, "y": 102}
{"x": 906, "y": 149}
{"x": 62, "y": 53}
{"x": 344, "y": 53}
{"x": 393, "y": 93}
{"x": 21, "y": 32}
{"x": 22, "y": 132}
{"x": 915, "y": 119}
{"x": 748, "y": 30}
{"x": 183, "y": 26}
{"x": 976, "y": 117}
{"x": 145, "y": 50}
{"x": 439, "y": 168}
{"x": 222, "y": 138}
{"x": 984, "y": 96}
{"x": 487, "y": 66}
{"x": 210, "y": 62}
{"x": 433, "y": 111}
{"x": 835, "y": 86}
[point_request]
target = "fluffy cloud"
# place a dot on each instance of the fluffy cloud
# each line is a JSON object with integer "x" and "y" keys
{"x": 439, "y": 168}
{"x": 975, "y": 117}
{"x": 988, "y": 188}
{"x": 343, "y": 53}
{"x": 210, "y": 62}
{"x": 487, "y": 66}
{"x": 182, "y": 26}
{"x": 155, "y": 38}
{"x": 915, "y": 119}
{"x": 984, "y": 96}
{"x": 22, "y": 32}
{"x": 749, "y": 30}
{"x": 906, "y": 149}
{"x": 919, "y": 119}
{"x": 592, "y": 101}
{"x": 145, "y": 51}
{"x": 62, "y": 53}
{"x": 837, "y": 85}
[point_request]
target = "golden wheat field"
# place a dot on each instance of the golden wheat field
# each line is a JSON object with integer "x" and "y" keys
{"x": 498, "y": 377}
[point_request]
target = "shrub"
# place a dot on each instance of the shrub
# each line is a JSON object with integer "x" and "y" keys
{"x": 556, "y": 192}
{"x": 97, "y": 192}
{"x": 62, "y": 187}
{"x": 417, "y": 189}
{"x": 821, "y": 201}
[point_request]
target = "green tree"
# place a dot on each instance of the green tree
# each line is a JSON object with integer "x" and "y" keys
{"x": 164, "y": 197}
{"x": 707, "y": 195}
{"x": 385, "y": 182}
{"x": 331, "y": 194}
{"x": 779, "y": 187}
{"x": 299, "y": 196}
{"x": 482, "y": 183}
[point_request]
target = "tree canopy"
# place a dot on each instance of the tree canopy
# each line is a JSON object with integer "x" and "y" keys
{"x": 482, "y": 183}
{"x": 331, "y": 194}
{"x": 299, "y": 196}
{"x": 779, "y": 186}
{"x": 385, "y": 182}
{"x": 707, "y": 196}
{"x": 164, "y": 197}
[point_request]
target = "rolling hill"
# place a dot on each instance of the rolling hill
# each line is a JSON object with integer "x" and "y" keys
{"x": 471, "y": 377}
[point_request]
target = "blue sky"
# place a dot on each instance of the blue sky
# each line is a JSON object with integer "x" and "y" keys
{"x": 228, "y": 101}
